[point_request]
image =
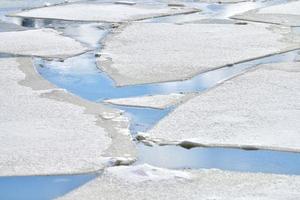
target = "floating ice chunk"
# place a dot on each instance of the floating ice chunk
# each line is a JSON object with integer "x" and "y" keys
{"x": 141, "y": 173}
{"x": 285, "y": 14}
{"x": 41, "y": 42}
{"x": 45, "y": 130}
{"x": 154, "y": 101}
{"x": 102, "y": 12}
{"x": 148, "y": 183}
{"x": 258, "y": 109}
{"x": 156, "y": 54}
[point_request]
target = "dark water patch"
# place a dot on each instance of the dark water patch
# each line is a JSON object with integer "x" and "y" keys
{"x": 40, "y": 187}
{"x": 176, "y": 157}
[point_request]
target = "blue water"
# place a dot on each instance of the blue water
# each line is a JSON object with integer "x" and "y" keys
{"x": 264, "y": 161}
{"x": 40, "y": 187}
{"x": 143, "y": 119}
{"x": 80, "y": 76}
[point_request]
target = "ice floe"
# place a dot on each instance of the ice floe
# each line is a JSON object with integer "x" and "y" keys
{"x": 40, "y": 42}
{"x": 44, "y": 130}
{"x": 259, "y": 109}
{"x": 285, "y": 14}
{"x": 153, "y": 101}
{"x": 147, "y": 182}
{"x": 101, "y": 12}
{"x": 158, "y": 52}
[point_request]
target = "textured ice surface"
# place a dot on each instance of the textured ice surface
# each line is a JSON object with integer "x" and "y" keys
{"x": 146, "y": 182}
{"x": 41, "y": 42}
{"x": 47, "y": 131}
{"x": 157, "y": 52}
{"x": 145, "y": 172}
{"x": 259, "y": 109}
{"x": 285, "y": 14}
{"x": 29, "y": 3}
{"x": 101, "y": 12}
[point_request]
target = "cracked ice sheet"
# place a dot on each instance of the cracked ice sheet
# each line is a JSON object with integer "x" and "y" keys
{"x": 147, "y": 182}
{"x": 101, "y": 12}
{"x": 154, "y": 101}
{"x": 258, "y": 109}
{"x": 157, "y": 52}
{"x": 46, "y": 131}
{"x": 285, "y": 14}
{"x": 41, "y": 42}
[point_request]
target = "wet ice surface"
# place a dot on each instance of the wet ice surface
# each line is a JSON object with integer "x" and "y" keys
{"x": 40, "y": 187}
{"x": 264, "y": 161}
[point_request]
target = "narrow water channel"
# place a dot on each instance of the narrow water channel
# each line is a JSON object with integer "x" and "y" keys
{"x": 257, "y": 161}
{"x": 80, "y": 76}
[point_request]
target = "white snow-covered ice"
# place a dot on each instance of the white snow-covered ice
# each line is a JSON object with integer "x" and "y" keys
{"x": 157, "y": 52}
{"x": 40, "y": 42}
{"x": 147, "y": 182}
{"x": 258, "y": 109}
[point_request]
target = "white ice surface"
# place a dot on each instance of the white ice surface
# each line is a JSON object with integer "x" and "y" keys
{"x": 42, "y": 132}
{"x": 287, "y": 14}
{"x": 41, "y": 42}
{"x": 148, "y": 183}
{"x": 158, "y": 52}
{"x": 155, "y": 101}
{"x": 290, "y": 8}
{"x": 259, "y": 109}
{"x": 101, "y": 12}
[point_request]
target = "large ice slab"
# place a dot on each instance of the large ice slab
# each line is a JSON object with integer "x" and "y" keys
{"x": 157, "y": 52}
{"x": 29, "y": 3}
{"x": 285, "y": 14}
{"x": 259, "y": 109}
{"x": 40, "y": 42}
{"x": 101, "y": 12}
{"x": 153, "y": 101}
{"x": 44, "y": 130}
{"x": 146, "y": 182}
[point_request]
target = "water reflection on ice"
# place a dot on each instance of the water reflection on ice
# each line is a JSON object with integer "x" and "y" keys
{"x": 221, "y": 158}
